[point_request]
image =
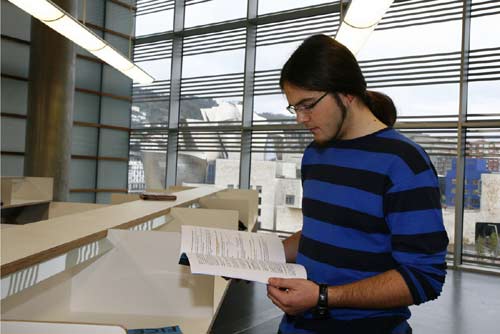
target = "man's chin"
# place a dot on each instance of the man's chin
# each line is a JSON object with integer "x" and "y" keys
{"x": 320, "y": 141}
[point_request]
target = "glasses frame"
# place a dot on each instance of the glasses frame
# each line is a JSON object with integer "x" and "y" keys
{"x": 304, "y": 108}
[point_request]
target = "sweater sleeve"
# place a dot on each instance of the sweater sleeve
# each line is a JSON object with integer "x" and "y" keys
{"x": 419, "y": 239}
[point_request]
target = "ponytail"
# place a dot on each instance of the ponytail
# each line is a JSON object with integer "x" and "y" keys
{"x": 381, "y": 106}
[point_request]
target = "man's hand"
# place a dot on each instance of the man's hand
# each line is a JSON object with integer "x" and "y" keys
{"x": 293, "y": 295}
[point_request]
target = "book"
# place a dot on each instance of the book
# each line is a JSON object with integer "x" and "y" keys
{"x": 157, "y": 196}
{"x": 236, "y": 254}
{"x": 168, "y": 329}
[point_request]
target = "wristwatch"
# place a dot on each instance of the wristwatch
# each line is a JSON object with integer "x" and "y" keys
{"x": 321, "y": 310}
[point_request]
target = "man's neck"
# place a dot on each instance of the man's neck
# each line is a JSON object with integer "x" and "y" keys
{"x": 360, "y": 122}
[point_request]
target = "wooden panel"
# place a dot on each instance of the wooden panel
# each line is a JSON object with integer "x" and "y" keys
{"x": 31, "y": 244}
{"x": 58, "y": 209}
{"x": 24, "y": 190}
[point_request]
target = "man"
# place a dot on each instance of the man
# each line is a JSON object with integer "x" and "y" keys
{"x": 373, "y": 240}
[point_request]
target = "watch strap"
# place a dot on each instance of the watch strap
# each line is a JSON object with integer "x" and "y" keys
{"x": 321, "y": 310}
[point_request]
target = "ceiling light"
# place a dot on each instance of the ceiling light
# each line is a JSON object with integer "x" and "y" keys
{"x": 361, "y": 19}
{"x": 65, "y": 24}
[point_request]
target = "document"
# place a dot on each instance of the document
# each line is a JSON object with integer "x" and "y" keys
{"x": 235, "y": 254}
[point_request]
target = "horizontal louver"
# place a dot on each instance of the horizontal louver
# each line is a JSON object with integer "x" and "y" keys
{"x": 157, "y": 91}
{"x": 209, "y": 140}
{"x": 153, "y": 51}
{"x": 297, "y": 30}
{"x": 153, "y": 6}
{"x": 224, "y": 85}
{"x": 214, "y": 42}
{"x": 149, "y": 140}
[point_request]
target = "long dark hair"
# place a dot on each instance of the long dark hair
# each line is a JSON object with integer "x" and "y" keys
{"x": 321, "y": 63}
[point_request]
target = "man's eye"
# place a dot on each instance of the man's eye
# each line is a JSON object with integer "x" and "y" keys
{"x": 306, "y": 106}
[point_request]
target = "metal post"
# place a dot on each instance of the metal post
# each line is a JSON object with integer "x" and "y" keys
{"x": 51, "y": 92}
{"x": 247, "y": 117}
{"x": 461, "y": 135}
{"x": 175, "y": 94}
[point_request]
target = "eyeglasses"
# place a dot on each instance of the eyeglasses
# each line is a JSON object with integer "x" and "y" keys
{"x": 305, "y": 108}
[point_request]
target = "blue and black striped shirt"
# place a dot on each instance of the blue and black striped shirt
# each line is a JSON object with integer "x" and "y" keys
{"x": 370, "y": 204}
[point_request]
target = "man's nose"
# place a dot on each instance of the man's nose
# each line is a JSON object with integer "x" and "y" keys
{"x": 301, "y": 117}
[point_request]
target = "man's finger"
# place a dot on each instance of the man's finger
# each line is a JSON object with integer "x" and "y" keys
{"x": 277, "y": 294}
{"x": 286, "y": 283}
{"x": 276, "y": 302}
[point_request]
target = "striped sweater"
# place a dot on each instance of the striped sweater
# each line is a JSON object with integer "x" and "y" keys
{"x": 370, "y": 204}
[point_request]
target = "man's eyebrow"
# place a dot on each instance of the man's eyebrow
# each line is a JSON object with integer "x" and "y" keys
{"x": 303, "y": 100}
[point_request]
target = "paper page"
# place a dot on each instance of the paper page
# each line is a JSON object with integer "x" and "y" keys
{"x": 250, "y": 270}
{"x": 231, "y": 244}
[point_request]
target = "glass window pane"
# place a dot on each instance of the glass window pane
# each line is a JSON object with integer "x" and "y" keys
{"x": 213, "y": 63}
{"x": 271, "y": 108}
{"x": 113, "y": 143}
{"x": 86, "y": 107}
{"x": 103, "y": 198}
{"x": 482, "y": 197}
{"x": 272, "y": 57}
{"x": 481, "y": 30}
{"x": 112, "y": 174}
{"x": 149, "y": 21}
{"x": 116, "y": 83}
{"x": 415, "y": 40}
{"x": 217, "y": 110}
{"x": 14, "y": 96}
{"x": 84, "y": 141}
{"x": 82, "y": 174}
{"x": 13, "y": 134}
{"x": 159, "y": 69}
{"x": 15, "y": 58}
{"x": 15, "y": 22}
{"x": 82, "y": 197}
{"x": 277, "y": 175}
{"x": 146, "y": 169}
{"x": 93, "y": 10}
{"x": 12, "y": 165}
{"x": 441, "y": 146}
{"x": 271, "y": 6}
{"x": 150, "y": 114}
{"x": 115, "y": 112}
{"x": 214, "y": 11}
{"x": 432, "y": 101}
{"x": 198, "y": 167}
{"x": 119, "y": 19}
{"x": 121, "y": 44}
{"x": 483, "y": 100}
{"x": 88, "y": 74}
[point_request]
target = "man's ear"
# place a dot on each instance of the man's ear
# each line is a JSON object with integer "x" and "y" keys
{"x": 347, "y": 98}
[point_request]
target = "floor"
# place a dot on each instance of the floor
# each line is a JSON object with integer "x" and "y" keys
{"x": 470, "y": 303}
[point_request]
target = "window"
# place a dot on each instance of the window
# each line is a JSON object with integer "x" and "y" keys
{"x": 412, "y": 56}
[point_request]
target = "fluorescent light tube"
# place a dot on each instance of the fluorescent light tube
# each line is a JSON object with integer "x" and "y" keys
{"x": 353, "y": 38}
{"x": 359, "y": 22}
{"x": 40, "y": 9}
{"x": 366, "y": 13}
{"x": 113, "y": 58}
{"x": 141, "y": 76}
{"x": 65, "y": 24}
{"x": 72, "y": 30}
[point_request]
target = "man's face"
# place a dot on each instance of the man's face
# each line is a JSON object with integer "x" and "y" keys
{"x": 324, "y": 120}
